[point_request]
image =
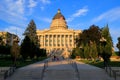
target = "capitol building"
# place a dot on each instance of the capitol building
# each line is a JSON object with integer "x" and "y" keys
{"x": 59, "y": 36}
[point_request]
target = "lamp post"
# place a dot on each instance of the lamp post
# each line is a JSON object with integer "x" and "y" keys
{"x": 104, "y": 55}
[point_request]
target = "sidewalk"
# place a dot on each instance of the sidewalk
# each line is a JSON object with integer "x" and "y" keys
{"x": 30, "y": 72}
{"x": 88, "y": 72}
{"x": 60, "y": 70}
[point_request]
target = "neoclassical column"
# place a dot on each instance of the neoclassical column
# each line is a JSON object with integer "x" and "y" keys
{"x": 73, "y": 45}
{"x": 48, "y": 40}
{"x": 56, "y": 40}
{"x": 52, "y": 40}
{"x": 68, "y": 41}
{"x": 60, "y": 41}
{"x": 44, "y": 40}
{"x": 64, "y": 40}
{"x": 41, "y": 42}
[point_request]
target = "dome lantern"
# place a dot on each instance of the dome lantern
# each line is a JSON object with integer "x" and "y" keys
{"x": 58, "y": 21}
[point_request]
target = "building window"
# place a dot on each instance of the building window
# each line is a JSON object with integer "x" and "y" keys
{"x": 70, "y": 40}
{"x": 39, "y": 36}
{"x": 58, "y": 40}
{"x": 50, "y": 45}
{"x": 58, "y": 44}
{"x": 50, "y": 40}
{"x": 54, "y": 36}
{"x": 46, "y": 40}
{"x": 58, "y": 36}
{"x": 46, "y": 44}
{"x": 50, "y": 36}
{"x": 54, "y": 44}
{"x": 66, "y": 36}
{"x": 46, "y": 36}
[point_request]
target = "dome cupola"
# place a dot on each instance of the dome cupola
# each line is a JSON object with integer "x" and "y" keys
{"x": 58, "y": 21}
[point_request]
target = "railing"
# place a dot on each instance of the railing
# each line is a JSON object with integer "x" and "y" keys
{"x": 7, "y": 71}
{"x": 44, "y": 68}
{"x": 74, "y": 65}
{"x": 112, "y": 72}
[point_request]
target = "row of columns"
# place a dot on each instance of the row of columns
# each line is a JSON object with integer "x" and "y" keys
{"x": 56, "y": 39}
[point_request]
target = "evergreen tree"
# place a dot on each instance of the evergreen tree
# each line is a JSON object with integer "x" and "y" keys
{"x": 109, "y": 44}
{"x": 30, "y": 41}
{"x": 106, "y": 45}
{"x": 31, "y": 32}
{"x": 25, "y": 47}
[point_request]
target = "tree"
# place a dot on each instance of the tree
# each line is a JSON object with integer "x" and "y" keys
{"x": 88, "y": 36}
{"x": 4, "y": 49}
{"x": 106, "y": 45}
{"x": 75, "y": 52}
{"x": 25, "y": 47}
{"x": 94, "y": 51}
{"x": 109, "y": 43}
{"x": 30, "y": 41}
{"x": 118, "y": 45}
{"x": 86, "y": 51}
{"x": 91, "y": 34}
{"x": 31, "y": 32}
{"x": 1, "y": 40}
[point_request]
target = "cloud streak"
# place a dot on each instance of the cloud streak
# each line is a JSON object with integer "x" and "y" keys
{"x": 78, "y": 13}
{"x": 32, "y": 3}
{"x": 48, "y": 20}
{"x": 45, "y": 1}
{"x": 109, "y": 16}
{"x": 12, "y": 11}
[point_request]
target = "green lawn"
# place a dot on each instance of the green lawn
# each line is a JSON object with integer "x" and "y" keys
{"x": 6, "y": 61}
{"x": 100, "y": 63}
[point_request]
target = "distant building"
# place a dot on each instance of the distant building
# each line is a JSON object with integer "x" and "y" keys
{"x": 58, "y": 36}
{"x": 7, "y": 38}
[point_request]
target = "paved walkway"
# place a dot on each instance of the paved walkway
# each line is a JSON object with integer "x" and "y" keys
{"x": 60, "y": 70}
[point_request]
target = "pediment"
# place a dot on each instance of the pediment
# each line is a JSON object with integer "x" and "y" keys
{"x": 59, "y": 31}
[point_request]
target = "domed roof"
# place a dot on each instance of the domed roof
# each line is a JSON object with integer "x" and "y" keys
{"x": 58, "y": 15}
{"x": 58, "y": 21}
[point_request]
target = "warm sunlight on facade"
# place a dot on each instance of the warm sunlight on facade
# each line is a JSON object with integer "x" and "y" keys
{"x": 58, "y": 36}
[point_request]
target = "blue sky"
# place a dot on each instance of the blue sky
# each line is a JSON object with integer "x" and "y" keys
{"x": 15, "y": 15}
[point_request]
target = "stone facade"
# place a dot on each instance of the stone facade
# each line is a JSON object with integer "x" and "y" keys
{"x": 7, "y": 38}
{"x": 58, "y": 36}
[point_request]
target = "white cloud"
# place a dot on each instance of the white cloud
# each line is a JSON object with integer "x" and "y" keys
{"x": 15, "y": 6}
{"x": 109, "y": 16}
{"x": 32, "y": 3}
{"x": 45, "y": 1}
{"x": 78, "y": 13}
{"x": 48, "y": 20}
{"x": 12, "y": 12}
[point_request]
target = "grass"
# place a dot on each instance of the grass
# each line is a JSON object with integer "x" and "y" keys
{"x": 100, "y": 63}
{"x": 6, "y": 61}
